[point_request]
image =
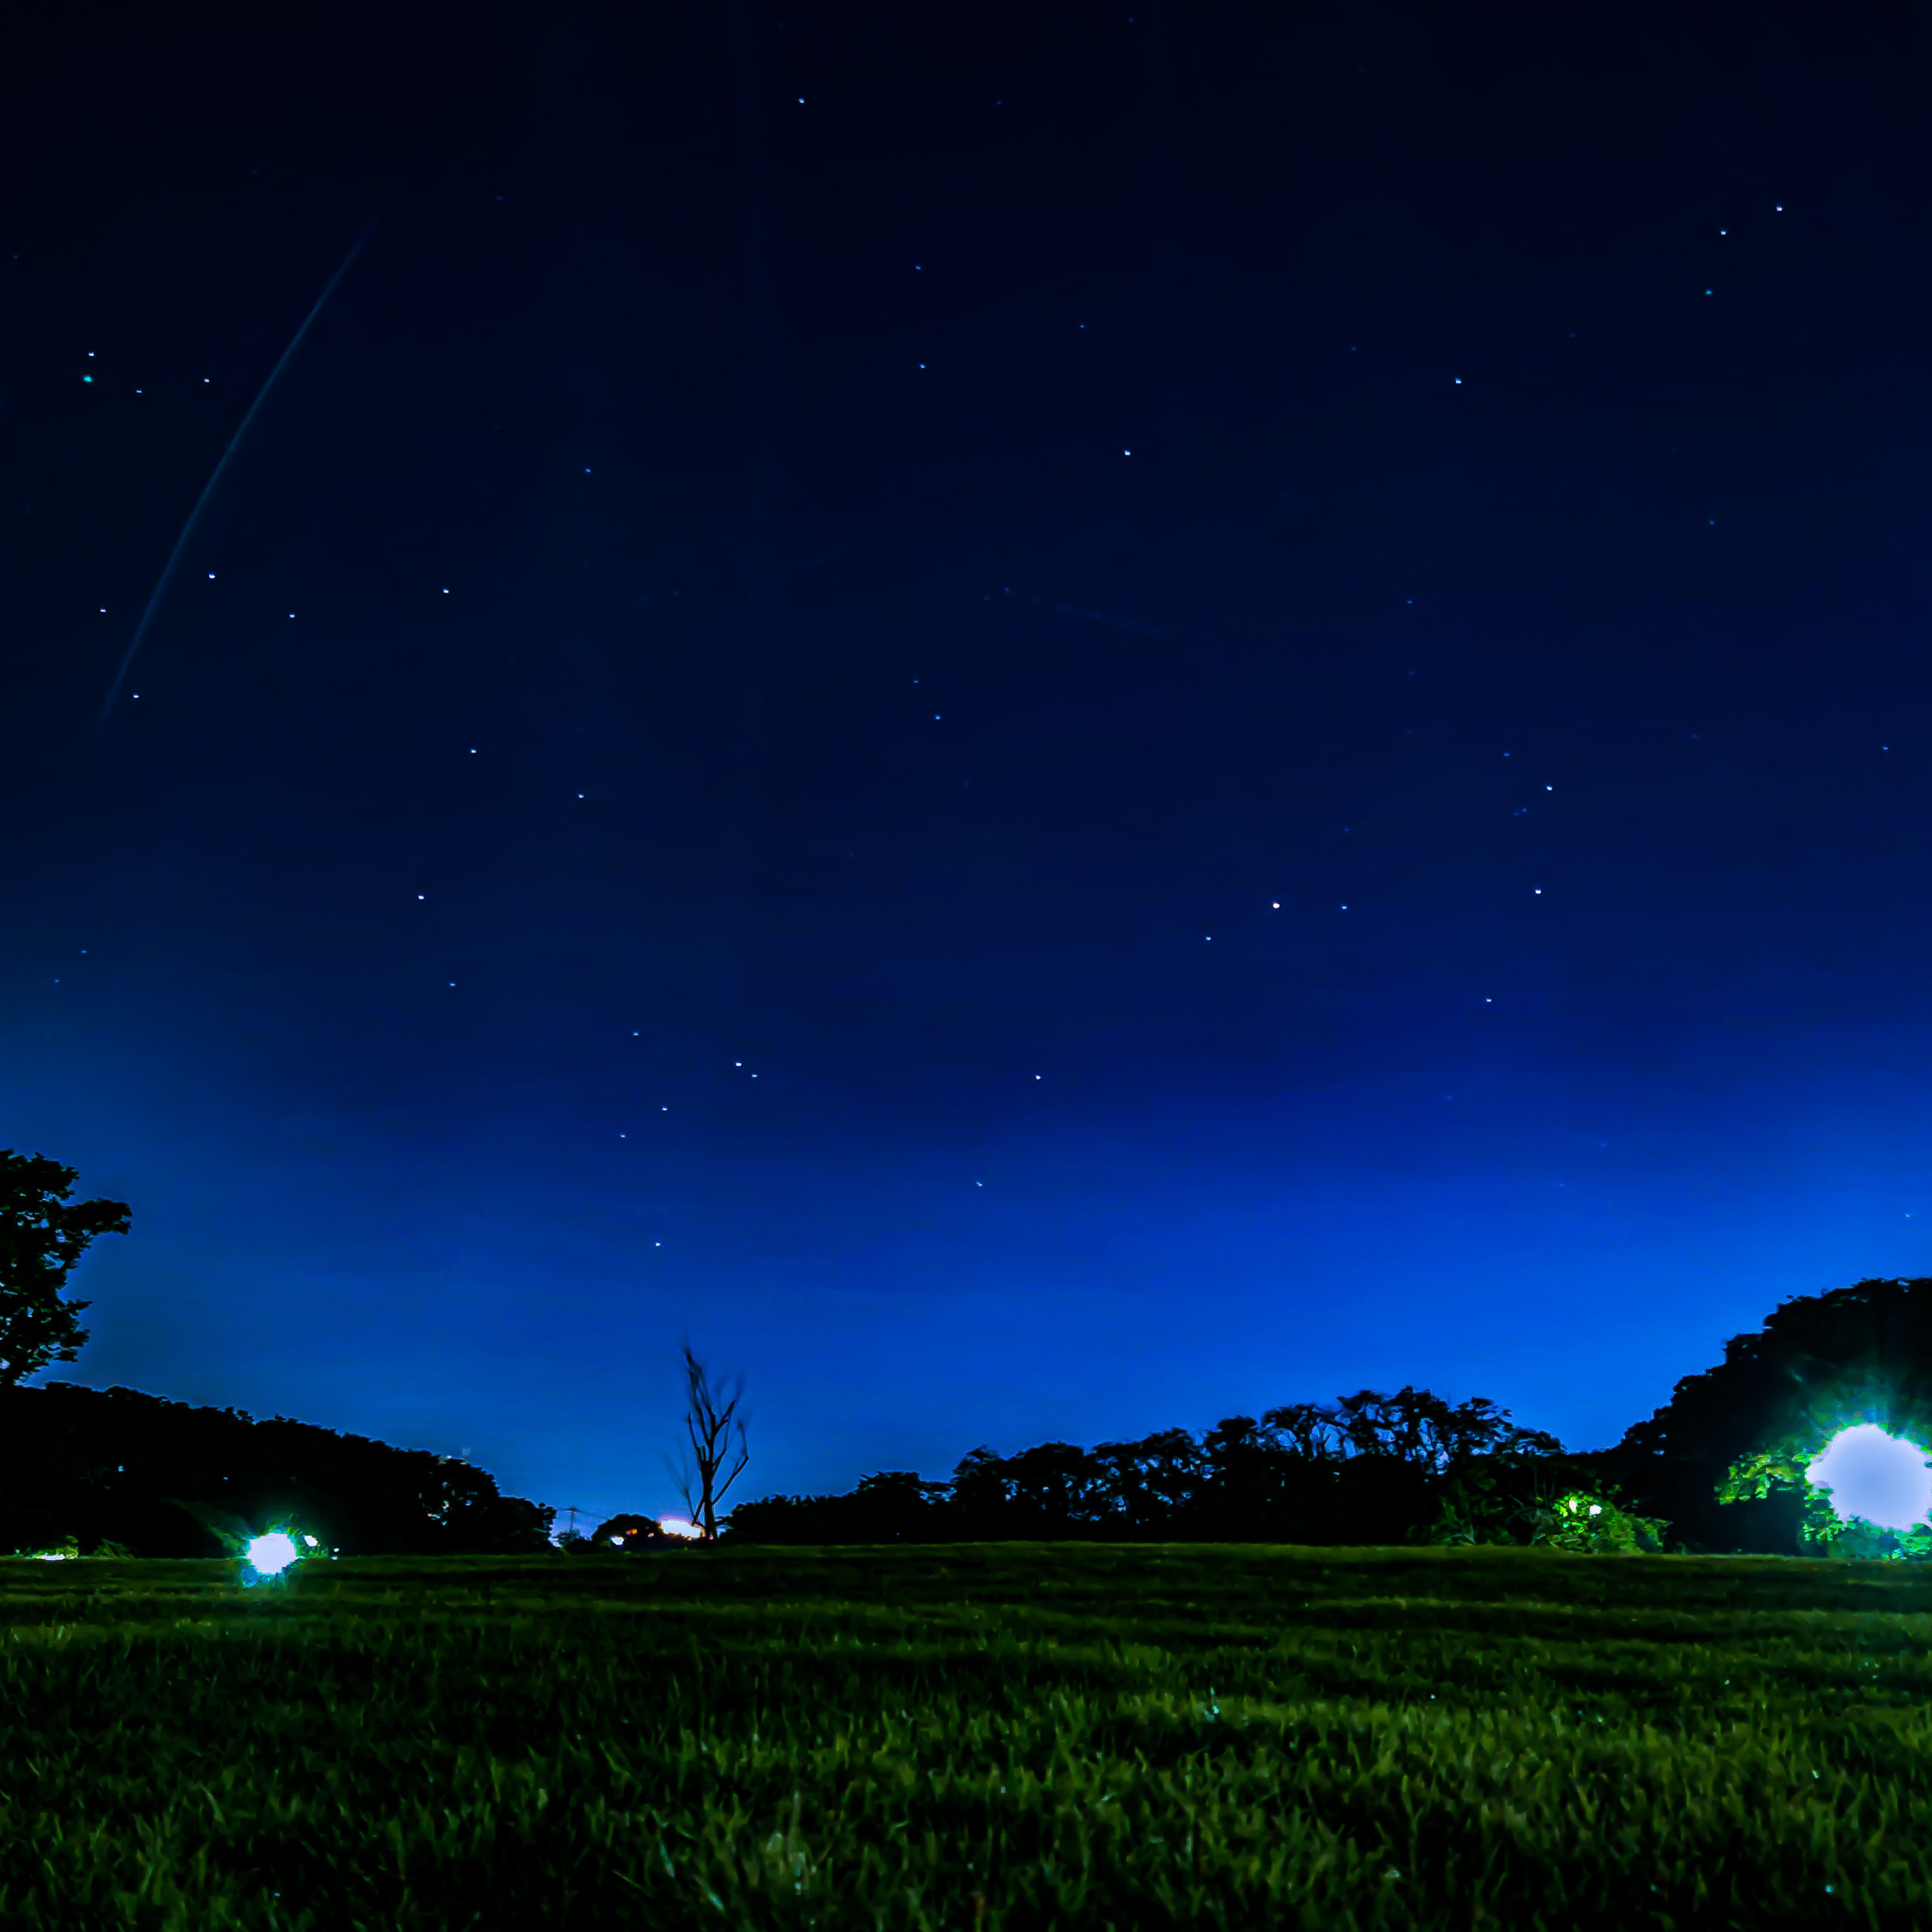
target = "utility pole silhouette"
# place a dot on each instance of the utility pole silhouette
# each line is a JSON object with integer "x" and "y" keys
{"x": 573, "y": 1511}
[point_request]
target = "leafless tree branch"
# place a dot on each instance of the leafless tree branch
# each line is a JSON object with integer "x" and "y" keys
{"x": 709, "y": 1427}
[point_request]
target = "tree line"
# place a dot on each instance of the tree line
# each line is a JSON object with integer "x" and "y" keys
{"x": 1720, "y": 1467}
{"x": 1368, "y": 1468}
{"x": 155, "y": 1477}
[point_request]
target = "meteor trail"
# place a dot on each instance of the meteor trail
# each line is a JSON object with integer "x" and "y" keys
{"x": 201, "y": 502}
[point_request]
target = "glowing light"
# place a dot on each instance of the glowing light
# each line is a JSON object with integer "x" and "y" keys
{"x": 1877, "y": 1478}
{"x": 313, "y": 1542}
{"x": 677, "y": 1526}
{"x": 273, "y": 1553}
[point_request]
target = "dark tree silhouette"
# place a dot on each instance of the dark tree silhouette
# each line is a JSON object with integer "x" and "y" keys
{"x": 791, "y": 1519}
{"x": 114, "y": 1464}
{"x": 892, "y": 1505}
{"x": 1257, "y": 1487}
{"x": 709, "y": 1429}
{"x": 1055, "y": 1490}
{"x": 628, "y": 1532}
{"x": 1369, "y": 1468}
{"x": 1153, "y": 1485}
{"x": 42, "y": 1235}
{"x": 1427, "y": 1432}
{"x": 1725, "y": 1456}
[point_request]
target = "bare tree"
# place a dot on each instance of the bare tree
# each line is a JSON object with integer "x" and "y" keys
{"x": 709, "y": 1428}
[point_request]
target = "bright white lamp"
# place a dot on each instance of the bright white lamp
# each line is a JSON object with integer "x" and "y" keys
{"x": 1878, "y": 1477}
{"x": 273, "y": 1553}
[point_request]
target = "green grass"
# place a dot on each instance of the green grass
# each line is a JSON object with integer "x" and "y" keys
{"x": 996, "y": 1736}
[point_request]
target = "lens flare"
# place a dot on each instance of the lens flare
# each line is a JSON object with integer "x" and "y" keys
{"x": 1875, "y": 1477}
{"x": 273, "y": 1553}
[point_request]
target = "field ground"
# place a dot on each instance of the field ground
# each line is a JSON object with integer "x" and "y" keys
{"x": 1004, "y": 1736}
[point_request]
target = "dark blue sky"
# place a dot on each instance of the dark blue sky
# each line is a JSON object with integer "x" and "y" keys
{"x": 1053, "y": 719}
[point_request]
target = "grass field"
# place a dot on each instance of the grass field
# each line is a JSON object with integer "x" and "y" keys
{"x": 971, "y": 1736}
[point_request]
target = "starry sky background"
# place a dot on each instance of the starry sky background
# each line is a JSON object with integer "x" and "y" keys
{"x": 1052, "y": 719}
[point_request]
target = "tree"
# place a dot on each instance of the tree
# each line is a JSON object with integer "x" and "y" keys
{"x": 709, "y": 1428}
{"x": 981, "y": 1491}
{"x": 1727, "y": 1454}
{"x": 630, "y": 1532}
{"x": 891, "y": 1506}
{"x": 1150, "y": 1486}
{"x": 115, "y": 1463}
{"x": 1428, "y": 1432}
{"x": 788, "y": 1519}
{"x": 1054, "y": 1490}
{"x": 42, "y": 1235}
{"x": 1257, "y": 1487}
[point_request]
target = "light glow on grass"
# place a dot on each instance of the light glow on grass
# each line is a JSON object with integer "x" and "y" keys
{"x": 1875, "y": 1477}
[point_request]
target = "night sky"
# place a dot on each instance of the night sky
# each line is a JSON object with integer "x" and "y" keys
{"x": 1049, "y": 719}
